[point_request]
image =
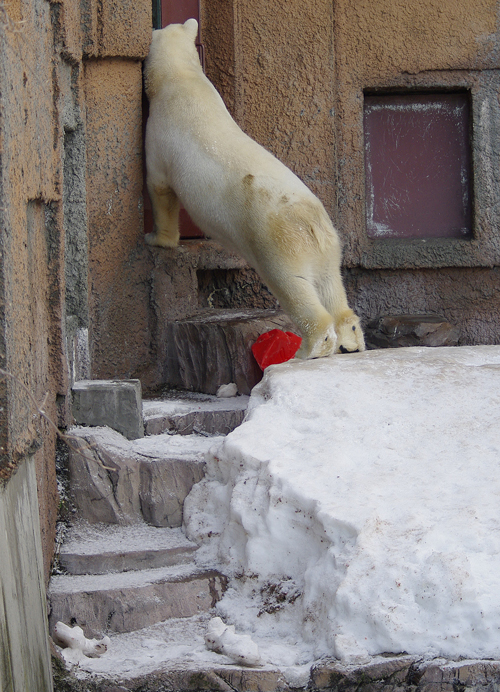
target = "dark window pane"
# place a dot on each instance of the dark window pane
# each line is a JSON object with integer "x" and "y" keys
{"x": 177, "y": 11}
{"x": 418, "y": 163}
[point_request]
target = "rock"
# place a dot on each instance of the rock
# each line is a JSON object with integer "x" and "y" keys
{"x": 164, "y": 485}
{"x": 101, "y": 548}
{"x": 104, "y": 477}
{"x": 394, "y": 331}
{"x": 388, "y": 673}
{"x": 128, "y": 601}
{"x": 114, "y": 403}
{"x": 213, "y": 348}
{"x": 194, "y": 413}
{"x": 115, "y": 481}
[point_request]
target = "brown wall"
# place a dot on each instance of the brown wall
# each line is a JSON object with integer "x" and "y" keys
{"x": 119, "y": 266}
{"x": 424, "y": 45}
{"x": 32, "y": 247}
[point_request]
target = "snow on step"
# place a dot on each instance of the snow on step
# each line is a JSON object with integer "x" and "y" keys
{"x": 117, "y": 481}
{"x": 172, "y": 654}
{"x": 101, "y": 548}
{"x": 191, "y": 412}
{"x": 126, "y": 601}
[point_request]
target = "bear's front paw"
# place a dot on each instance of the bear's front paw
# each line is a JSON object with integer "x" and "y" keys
{"x": 161, "y": 240}
{"x": 318, "y": 346}
{"x": 350, "y": 335}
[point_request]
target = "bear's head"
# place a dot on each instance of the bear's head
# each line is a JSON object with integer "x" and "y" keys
{"x": 171, "y": 54}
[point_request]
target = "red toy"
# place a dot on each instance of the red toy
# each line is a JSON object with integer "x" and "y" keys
{"x": 275, "y": 347}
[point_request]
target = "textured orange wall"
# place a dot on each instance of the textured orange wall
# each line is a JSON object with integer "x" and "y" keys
{"x": 118, "y": 257}
{"x": 284, "y": 70}
{"x": 32, "y": 249}
{"x": 401, "y": 45}
{"x": 376, "y": 40}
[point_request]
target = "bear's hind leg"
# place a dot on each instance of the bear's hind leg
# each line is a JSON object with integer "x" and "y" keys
{"x": 166, "y": 207}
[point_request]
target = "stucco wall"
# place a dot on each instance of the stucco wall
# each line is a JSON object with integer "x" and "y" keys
{"x": 120, "y": 262}
{"x": 71, "y": 195}
{"x": 32, "y": 248}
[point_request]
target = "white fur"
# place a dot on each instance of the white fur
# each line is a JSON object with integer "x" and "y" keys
{"x": 241, "y": 195}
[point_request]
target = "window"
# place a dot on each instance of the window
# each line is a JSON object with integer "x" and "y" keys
{"x": 418, "y": 166}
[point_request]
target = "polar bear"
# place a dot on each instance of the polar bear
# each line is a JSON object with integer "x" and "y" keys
{"x": 241, "y": 195}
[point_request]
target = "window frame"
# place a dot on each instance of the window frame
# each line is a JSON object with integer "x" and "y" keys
{"x": 483, "y": 250}
{"x": 440, "y": 122}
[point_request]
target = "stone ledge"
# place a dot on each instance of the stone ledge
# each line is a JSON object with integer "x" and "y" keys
{"x": 201, "y": 254}
{"x": 399, "y": 331}
{"x": 213, "y": 348}
{"x": 392, "y": 674}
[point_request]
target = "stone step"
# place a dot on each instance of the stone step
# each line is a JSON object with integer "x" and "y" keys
{"x": 172, "y": 656}
{"x": 186, "y": 413}
{"x": 213, "y": 348}
{"x": 118, "y": 481}
{"x": 102, "y": 548}
{"x": 128, "y": 601}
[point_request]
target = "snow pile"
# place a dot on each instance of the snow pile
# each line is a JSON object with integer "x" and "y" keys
{"x": 357, "y": 510}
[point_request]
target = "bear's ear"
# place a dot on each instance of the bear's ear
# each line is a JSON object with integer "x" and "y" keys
{"x": 191, "y": 26}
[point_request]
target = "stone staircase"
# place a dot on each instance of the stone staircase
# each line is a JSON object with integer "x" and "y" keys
{"x": 125, "y": 563}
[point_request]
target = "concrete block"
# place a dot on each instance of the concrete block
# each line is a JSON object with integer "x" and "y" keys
{"x": 24, "y": 650}
{"x": 116, "y": 404}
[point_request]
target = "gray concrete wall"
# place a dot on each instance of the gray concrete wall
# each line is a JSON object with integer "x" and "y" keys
{"x": 24, "y": 653}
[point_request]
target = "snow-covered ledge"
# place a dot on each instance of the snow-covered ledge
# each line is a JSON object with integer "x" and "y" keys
{"x": 357, "y": 509}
